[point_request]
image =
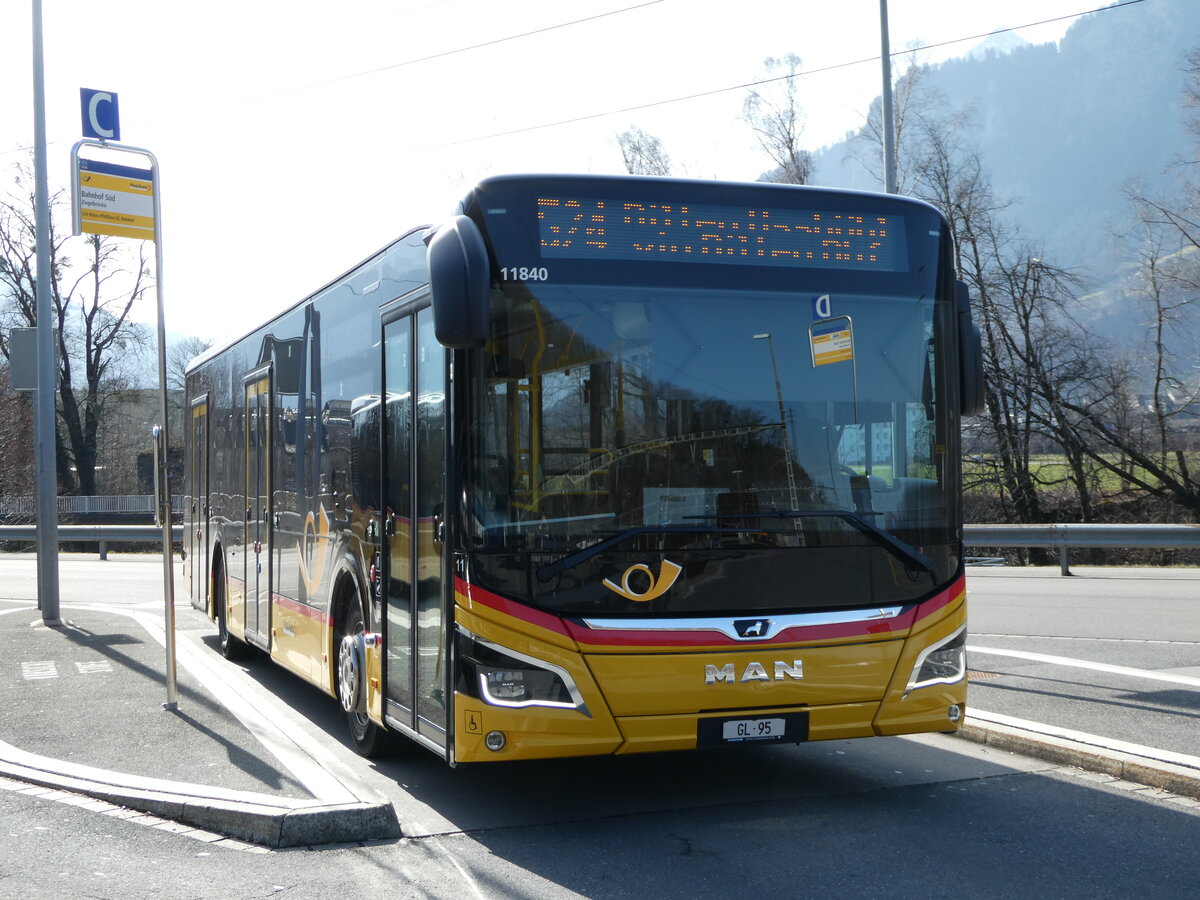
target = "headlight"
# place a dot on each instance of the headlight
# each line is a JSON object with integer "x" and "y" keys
{"x": 502, "y": 677}
{"x": 942, "y": 663}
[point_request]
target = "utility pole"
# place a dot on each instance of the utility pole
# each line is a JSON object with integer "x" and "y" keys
{"x": 44, "y": 425}
{"x": 889, "y": 125}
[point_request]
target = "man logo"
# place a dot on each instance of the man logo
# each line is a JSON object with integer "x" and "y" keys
{"x": 752, "y": 628}
{"x": 658, "y": 586}
{"x": 754, "y": 671}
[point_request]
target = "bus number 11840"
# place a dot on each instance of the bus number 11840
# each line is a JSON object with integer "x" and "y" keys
{"x": 524, "y": 273}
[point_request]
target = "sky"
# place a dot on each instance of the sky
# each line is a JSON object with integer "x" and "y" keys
{"x": 294, "y": 140}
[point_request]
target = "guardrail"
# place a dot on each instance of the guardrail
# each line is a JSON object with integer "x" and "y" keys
{"x": 100, "y": 534}
{"x": 1066, "y": 536}
{"x": 1063, "y": 536}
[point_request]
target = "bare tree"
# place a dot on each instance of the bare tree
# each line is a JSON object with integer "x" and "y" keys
{"x": 179, "y": 355}
{"x": 16, "y": 440}
{"x": 1146, "y": 428}
{"x": 642, "y": 153}
{"x": 98, "y": 345}
{"x": 773, "y": 111}
{"x": 1037, "y": 357}
{"x": 1146, "y": 424}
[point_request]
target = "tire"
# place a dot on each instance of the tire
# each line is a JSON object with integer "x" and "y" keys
{"x": 367, "y": 738}
{"x": 231, "y": 648}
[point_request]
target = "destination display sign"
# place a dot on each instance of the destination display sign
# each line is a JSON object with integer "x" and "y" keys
{"x": 630, "y": 229}
{"x": 115, "y": 200}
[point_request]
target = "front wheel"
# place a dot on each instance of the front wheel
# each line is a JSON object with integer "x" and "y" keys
{"x": 368, "y": 738}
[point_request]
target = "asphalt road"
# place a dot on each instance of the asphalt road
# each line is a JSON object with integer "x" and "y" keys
{"x": 933, "y": 816}
{"x": 1112, "y": 654}
{"x": 839, "y": 822}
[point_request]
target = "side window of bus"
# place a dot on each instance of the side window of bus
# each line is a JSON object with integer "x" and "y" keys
{"x": 364, "y": 451}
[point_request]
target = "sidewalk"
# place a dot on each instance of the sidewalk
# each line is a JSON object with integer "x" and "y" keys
{"x": 85, "y": 702}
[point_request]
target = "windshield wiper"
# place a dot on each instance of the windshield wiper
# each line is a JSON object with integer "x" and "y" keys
{"x": 548, "y": 571}
{"x": 906, "y": 553}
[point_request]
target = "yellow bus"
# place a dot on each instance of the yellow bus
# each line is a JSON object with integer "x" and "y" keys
{"x": 604, "y": 465}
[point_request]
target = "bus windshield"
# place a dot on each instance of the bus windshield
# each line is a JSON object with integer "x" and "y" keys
{"x": 616, "y": 424}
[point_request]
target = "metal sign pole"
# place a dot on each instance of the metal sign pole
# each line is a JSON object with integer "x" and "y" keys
{"x": 164, "y": 468}
{"x": 162, "y": 479}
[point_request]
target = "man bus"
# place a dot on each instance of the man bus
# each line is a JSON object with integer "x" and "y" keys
{"x": 604, "y": 465}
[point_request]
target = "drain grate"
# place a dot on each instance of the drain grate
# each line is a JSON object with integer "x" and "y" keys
{"x": 983, "y": 676}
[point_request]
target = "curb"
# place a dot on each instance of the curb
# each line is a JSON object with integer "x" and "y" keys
{"x": 1142, "y": 770}
{"x": 257, "y": 818}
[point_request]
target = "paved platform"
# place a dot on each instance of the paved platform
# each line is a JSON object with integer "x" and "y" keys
{"x": 82, "y": 708}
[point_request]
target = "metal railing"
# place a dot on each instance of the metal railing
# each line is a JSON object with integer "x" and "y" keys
{"x": 69, "y": 504}
{"x": 98, "y": 534}
{"x": 1067, "y": 536}
{"x": 1063, "y": 536}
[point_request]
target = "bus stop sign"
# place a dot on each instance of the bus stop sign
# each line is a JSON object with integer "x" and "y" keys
{"x": 100, "y": 119}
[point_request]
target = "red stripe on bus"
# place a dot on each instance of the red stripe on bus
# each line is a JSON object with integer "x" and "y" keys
{"x": 940, "y": 601}
{"x": 681, "y": 638}
{"x": 476, "y": 594}
{"x": 303, "y": 609}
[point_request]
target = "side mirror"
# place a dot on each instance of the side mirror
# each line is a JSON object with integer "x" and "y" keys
{"x": 970, "y": 355}
{"x": 460, "y": 281}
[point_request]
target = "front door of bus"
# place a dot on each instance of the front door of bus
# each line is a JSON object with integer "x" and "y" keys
{"x": 197, "y": 538}
{"x": 258, "y": 508}
{"x": 414, "y": 451}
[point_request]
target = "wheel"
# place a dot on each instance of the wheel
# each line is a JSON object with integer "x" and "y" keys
{"x": 368, "y": 738}
{"x": 231, "y": 648}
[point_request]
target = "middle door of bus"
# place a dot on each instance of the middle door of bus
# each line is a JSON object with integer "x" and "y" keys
{"x": 197, "y": 536}
{"x": 414, "y": 474}
{"x": 257, "y": 557}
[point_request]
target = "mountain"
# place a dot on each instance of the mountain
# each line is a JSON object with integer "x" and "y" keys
{"x": 1001, "y": 43}
{"x": 1064, "y": 129}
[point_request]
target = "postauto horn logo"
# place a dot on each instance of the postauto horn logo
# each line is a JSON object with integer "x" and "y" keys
{"x": 658, "y": 586}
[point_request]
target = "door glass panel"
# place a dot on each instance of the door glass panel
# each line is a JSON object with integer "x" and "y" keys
{"x": 264, "y": 510}
{"x": 397, "y": 456}
{"x": 431, "y": 477}
{"x": 258, "y": 549}
{"x": 252, "y": 531}
{"x": 198, "y": 487}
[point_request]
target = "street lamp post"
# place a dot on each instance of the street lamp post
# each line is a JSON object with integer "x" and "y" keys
{"x": 787, "y": 444}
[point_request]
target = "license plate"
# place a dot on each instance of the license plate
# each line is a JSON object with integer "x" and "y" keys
{"x": 753, "y": 729}
{"x": 789, "y": 727}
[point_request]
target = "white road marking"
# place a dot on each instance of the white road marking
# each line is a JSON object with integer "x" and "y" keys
{"x": 36, "y": 671}
{"x": 462, "y": 871}
{"x": 1087, "y": 664}
{"x": 93, "y": 668}
{"x": 1089, "y": 640}
{"x": 1082, "y": 737}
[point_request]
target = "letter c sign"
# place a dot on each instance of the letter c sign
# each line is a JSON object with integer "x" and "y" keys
{"x": 100, "y": 119}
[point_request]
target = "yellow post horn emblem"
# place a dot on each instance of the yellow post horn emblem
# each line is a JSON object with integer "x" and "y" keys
{"x": 658, "y": 586}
